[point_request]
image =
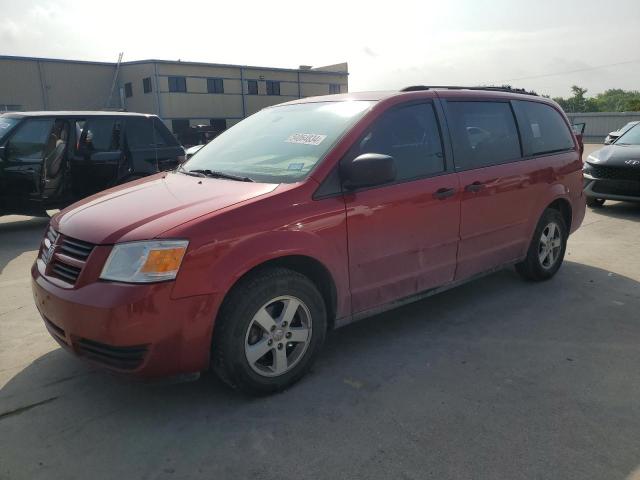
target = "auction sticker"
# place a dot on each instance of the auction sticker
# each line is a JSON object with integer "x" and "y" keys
{"x": 306, "y": 138}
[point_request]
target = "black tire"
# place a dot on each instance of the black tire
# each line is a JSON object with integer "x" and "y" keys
{"x": 595, "y": 202}
{"x": 532, "y": 268}
{"x": 236, "y": 318}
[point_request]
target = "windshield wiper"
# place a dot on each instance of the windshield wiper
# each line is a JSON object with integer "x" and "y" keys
{"x": 214, "y": 174}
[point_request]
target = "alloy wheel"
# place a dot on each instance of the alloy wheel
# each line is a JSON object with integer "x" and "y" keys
{"x": 550, "y": 245}
{"x": 278, "y": 336}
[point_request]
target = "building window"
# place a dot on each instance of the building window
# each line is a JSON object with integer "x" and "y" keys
{"x": 273, "y": 87}
{"x": 252, "y": 87}
{"x": 146, "y": 85}
{"x": 179, "y": 126}
{"x": 128, "y": 90}
{"x": 215, "y": 85}
{"x": 334, "y": 88}
{"x": 218, "y": 124}
{"x": 177, "y": 84}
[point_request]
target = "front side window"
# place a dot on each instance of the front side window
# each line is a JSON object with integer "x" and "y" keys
{"x": 273, "y": 87}
{"x": 483, "y": 134}
{"x": 6, "y": 124}
{"x": 410, "y": 135}
{"x": 543, "y": 129}
{"x": 100, "y": 135}
{"x": 252, "y": 87}
{"x": 630, "y": 137}
{"x": 215, "y": 85}
{"x": 30, "y": 140}
{"x": 279, "y": 144}
{"x": 177, "y": 84}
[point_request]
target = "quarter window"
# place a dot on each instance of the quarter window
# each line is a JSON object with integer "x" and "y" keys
{"x": 177, "y": 84}
{"x": 273, "y": 87}
{"x": 483, "y": 133}
{"x": 252, "y": 87}
{"x": 411, "y": 136}
{"x": 543, "y": 129}
{"x": 215, "y": 85}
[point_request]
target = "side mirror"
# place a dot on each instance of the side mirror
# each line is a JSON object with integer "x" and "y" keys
{"x": 368, "y": 170}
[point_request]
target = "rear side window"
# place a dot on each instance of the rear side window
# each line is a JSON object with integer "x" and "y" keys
{"x": 100, "y": 135}
{"x": 483, "y": 133}
{"x": 543, "y": 128}
{"x": 411, "y": 136}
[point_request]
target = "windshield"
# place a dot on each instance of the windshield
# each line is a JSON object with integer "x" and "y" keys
{"x": 6, "y": 124}
{"x": 279, "y": 144}
{"x": 630, "y": 137}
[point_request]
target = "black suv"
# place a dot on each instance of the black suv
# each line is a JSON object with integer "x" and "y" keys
{"x": 51, "y": 159}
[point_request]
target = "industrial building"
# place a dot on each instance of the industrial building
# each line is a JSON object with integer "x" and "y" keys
{"x": 181, "y": 93}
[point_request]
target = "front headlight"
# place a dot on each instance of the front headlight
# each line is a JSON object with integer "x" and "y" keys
{"x": 144, "y": 262}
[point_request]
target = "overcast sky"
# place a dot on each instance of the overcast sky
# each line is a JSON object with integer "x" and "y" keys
{"x": 388, "y": 44}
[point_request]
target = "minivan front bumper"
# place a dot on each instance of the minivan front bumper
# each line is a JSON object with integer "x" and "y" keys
{"x": 131, "y": 329}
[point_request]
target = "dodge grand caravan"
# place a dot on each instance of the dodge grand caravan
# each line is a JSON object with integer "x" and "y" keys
{"x": 302, "y": 218}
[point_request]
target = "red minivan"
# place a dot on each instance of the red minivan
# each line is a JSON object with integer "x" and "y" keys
{"x": 304, "y": 217}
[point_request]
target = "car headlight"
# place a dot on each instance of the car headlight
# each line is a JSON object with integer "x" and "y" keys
{"x": 592, "y": 159}
{"x": 144, "y": 262}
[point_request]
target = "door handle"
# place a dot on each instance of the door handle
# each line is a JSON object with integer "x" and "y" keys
{"x": 475, "y": 187}
{"x": 443, "y": 193}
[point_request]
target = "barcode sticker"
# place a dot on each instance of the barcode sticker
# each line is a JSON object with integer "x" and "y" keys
{"x": 306, "y": 138}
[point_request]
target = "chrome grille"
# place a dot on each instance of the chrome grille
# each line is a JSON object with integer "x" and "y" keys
{"x": 65, "y": 257}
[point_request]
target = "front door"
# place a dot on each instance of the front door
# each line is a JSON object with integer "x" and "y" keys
{"x": 403, "y": 237}
{"x": 23, "y": 159}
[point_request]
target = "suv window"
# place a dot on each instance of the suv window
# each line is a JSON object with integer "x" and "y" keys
{"x": 483, "y": 133}
{"x": 30, "y": 139}
{"x": 543, "y": 128}
{"x": 101, "y": 135}
{"x": 409, "y": 134}
{"x": 140, "y": 133}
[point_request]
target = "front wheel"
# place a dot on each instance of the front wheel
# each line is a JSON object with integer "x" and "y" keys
{"x": 546, "y": 251}
{"x": 269, "y": 331}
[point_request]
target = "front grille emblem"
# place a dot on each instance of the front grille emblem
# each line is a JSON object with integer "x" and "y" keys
{"x": 633, "y": 163}
{"x": 48, "y": 251}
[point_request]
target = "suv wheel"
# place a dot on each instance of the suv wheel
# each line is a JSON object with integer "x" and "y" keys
{"x": 269, "y": 331}
{"x": 546, "y": 251}
{"x": 595, "y": 202}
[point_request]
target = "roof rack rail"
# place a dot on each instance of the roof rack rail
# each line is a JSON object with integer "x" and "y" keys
{"x": 503, "y": 88}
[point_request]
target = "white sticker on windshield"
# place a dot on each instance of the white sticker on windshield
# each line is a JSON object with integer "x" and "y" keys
{"x": 306, "y": 138}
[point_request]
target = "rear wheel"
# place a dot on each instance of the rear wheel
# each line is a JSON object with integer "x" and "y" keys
{"x": 595, "y": 202}
{"x": 547, "y": 248}
{"x": 269, "y": 331}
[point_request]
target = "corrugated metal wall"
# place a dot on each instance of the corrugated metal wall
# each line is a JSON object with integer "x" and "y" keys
{"x": 599, "y": 124}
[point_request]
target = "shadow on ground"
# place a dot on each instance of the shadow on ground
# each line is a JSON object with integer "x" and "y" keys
{"x": 19, "y": 236}
{"x": 499, "y": 378}
{"x": 620, "y": 210}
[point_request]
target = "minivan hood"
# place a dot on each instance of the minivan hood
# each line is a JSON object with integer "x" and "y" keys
{"x": 146, "y": 208}
{"x": 615, "y": 155}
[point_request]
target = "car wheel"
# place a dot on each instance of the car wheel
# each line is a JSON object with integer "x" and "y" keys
{"x": 269, "y": 330}
{"x": 595, "y": 202}
{"x": 547, "y": 248}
